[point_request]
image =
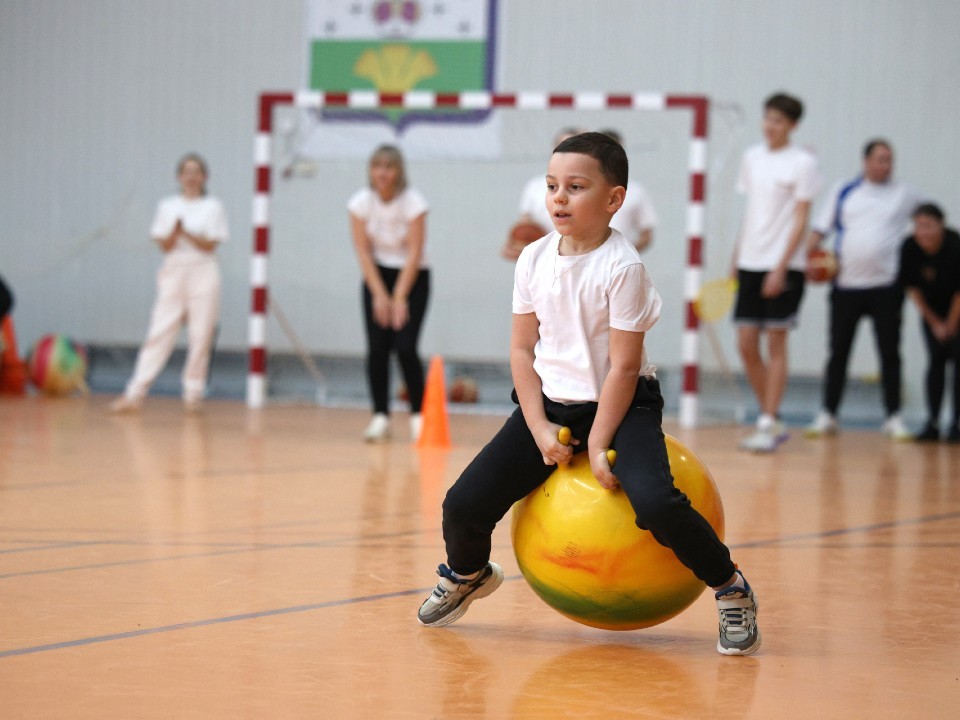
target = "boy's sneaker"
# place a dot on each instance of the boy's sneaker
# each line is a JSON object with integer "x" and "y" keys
{"x": 894, "y": 429}
{"x": 452, "y": 596}
{"x": 739, "y": 634}
{"x": 378, "y": 429}
{"x": 825, "y": 424}
{"x": 930, "y": 433}
{"x": 765, "y": 438}
{"x": 953, "y": 435}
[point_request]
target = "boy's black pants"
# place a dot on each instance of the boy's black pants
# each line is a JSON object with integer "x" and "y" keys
{"x": 511, "y": 466}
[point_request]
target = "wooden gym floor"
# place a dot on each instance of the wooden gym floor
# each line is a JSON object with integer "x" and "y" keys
{"x": 266, "y": 564}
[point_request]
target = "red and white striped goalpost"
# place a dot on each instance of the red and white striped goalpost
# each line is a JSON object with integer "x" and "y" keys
{"x": 481, "y": 100}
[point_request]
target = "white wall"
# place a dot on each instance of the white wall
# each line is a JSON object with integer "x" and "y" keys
{"x": 100, "y": 98}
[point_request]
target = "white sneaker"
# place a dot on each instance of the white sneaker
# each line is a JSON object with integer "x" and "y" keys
{"x": 416, "y": 426}
{"x": 894, "y": 429}
{"x": 378, "y": 429}
{"x": 825, "y": 424}
{"x": 765, "y": 438}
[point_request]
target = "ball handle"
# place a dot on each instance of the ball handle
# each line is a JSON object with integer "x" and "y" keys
{"x": 564, "y": 435}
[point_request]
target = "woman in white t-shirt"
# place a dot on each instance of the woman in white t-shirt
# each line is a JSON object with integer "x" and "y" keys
{"x": 188, "y": 228}
{"x": 388, "y": 223}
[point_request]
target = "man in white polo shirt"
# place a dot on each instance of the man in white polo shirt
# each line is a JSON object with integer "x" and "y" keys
{"x": 868, "y": 218}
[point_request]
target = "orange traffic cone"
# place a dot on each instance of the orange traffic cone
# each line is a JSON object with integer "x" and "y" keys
{"x": 13, "y": 371}
{"x": 436, "y": 426}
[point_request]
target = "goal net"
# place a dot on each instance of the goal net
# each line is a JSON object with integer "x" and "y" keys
{"x": 304, "y": 273}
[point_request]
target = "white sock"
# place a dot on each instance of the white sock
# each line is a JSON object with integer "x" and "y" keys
{"x": 765, "y": 421}
{"x": 471, "y": 576}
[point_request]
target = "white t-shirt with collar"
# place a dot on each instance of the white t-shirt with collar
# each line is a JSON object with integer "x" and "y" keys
{"x": 204, "y": 216}
{"x": 774, "y": 181}
{"x": 387, "y": 223}
{"x": 874, "y": 219}
{"x": 577, "y": 299}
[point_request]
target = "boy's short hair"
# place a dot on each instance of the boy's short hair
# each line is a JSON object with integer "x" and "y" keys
{"x": 875, "y": 143}
{"x": 931, "y": 210}
{"x": 787, "y": 104}
{"x": 602, "y": 148}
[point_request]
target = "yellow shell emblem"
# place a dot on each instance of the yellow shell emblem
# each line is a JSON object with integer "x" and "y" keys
{"x": 395, "y": 68}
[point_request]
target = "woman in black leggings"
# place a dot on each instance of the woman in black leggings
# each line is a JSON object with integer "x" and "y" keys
{"x": 388, "y": 221}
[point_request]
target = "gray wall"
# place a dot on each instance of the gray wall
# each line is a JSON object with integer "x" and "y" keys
{"x": 100, "y": 97}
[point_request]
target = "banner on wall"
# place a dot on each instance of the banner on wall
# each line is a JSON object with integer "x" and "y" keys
{"x": 396, "y": 46}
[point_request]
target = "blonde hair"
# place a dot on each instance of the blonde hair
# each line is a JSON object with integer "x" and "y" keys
{"x": 391, "y": 155}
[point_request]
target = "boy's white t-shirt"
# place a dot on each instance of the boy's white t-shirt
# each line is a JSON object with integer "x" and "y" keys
{"x": 774, "y": 181}
{"x": 387, "y": 223}
{"x": 577, "y": 299}
{"x": 204, "y": 216}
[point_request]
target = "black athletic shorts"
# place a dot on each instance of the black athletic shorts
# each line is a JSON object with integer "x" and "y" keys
{"x": 778, "y": 312}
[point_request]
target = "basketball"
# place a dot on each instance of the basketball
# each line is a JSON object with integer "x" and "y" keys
{"x": 57, "y": 365}
{"x": 580, "y": 550}
{"x": 525, "y": 232}
{"x": 463, "y": 390}
{"x": 821, "y": 265}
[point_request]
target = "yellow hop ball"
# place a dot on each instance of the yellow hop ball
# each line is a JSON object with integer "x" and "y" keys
{"x": 579, "y": 548}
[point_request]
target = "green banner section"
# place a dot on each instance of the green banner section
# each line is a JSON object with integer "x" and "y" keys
{"x": 398, "y": 66}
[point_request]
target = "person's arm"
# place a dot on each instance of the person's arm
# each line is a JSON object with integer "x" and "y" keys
{"x": 936, "y": 323}
{"x": 371, "y": 276}
{"x": 953, "y": 316}
{"x": 416, "y": 237}
{"x": 524, "y": 335}
{"x": 166, "y": 242}
{"x": 626, "y": 355}
{"x": 200, "y": 242}
{"x": 775, "y": 280}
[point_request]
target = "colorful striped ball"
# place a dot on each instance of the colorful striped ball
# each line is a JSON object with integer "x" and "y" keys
{"x": 580, "y": 550}
{"x": 57, "y": 365}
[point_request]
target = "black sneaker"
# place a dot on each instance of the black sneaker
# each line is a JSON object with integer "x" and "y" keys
{"x": 954, "y": 435}
{"x": 930, "y": 433}
{"x": 451, "y": 597}
{"x": 739, "y": 634}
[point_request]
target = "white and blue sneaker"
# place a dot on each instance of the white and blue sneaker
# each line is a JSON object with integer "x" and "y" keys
{"x": 739, "y": 634}
{"x": 453, "y": 595}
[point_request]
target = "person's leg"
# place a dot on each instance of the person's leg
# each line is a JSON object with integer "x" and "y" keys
{"x": 379, "y": 342}
{"x": 643, "y": 470}
{"x": 934, "y": 382}
{"x": 406, "y": 341}
{"x": 886, "y": 311}
{"x": 203, "y": 309}
{"x": 748, "y": 343}
{"x": 506, "y": 470}
{"x": 776, "y": 381}
{"x": 954, "y": 432}
{"x": 6, "y": 299}
{"x": 165, "y": 321}
{"x": 845, "y": 313}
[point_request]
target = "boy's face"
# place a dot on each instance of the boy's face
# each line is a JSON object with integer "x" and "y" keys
{"x": 777, "y": 128}
{"x": 928, "y": 232}
{"x": 579, "y": 198}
